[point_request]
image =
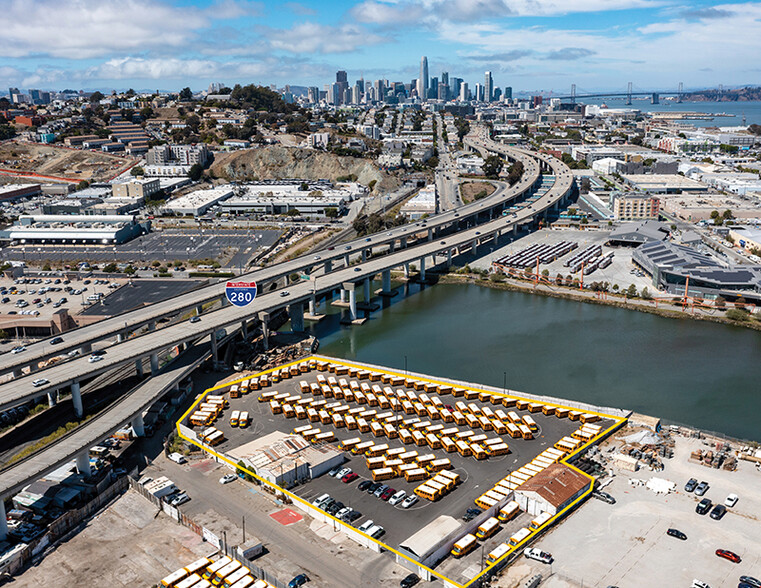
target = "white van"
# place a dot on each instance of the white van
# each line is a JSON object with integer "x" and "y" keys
{"x": 177, "y": 458}
{"x": 320, "y": 500}
{"x": 376, "y": 531}
{"x": 368, "y": 524}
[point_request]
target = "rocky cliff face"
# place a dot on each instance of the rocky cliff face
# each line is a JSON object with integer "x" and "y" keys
{"x": 283, "y": 162}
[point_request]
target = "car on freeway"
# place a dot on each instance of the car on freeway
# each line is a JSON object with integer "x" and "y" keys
{"x": 342, "y": 472}
{"x": 701, "y": 488}
{"x": 731, "y": 500}
{"x": 227, "y": 478}
{"x": 357, "y": 269}
{"x": 299, "y": 580}
{"x": 397, "y": 498}
{"x": 703, "y": 506}
{"x": 538, "y": 555}
{"x": 750, "y": 580}
{"x": 364, "y": 485}
{"x": 195, "y": 319}
{"x": 40, "y": 382}
{"x": 387, "y": 493}
{"x": 676, "y": 533}
{"x": 730, "y": 555}
{"x": 317, "y": 257}
{"x": 349, "y": 478}
{"x": 284, "y": 293}
{"x": 443, "y": 242}
{"x": 98, "y": 352}
{"x": 18, "y": 349}
{"x": 94, "y": 358}
{"x": 56, "y": 340}
{"x": 718, "y": 512}
{"x": 690, "y": 485}
{"x": 409, "y": 581}
{"x": 409, "y": 501}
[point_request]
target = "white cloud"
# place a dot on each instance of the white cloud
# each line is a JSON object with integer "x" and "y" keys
{"x": 312, "y": 37}
{"x": 230, "y": 9}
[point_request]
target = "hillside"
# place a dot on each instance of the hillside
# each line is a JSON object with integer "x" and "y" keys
{"x": 278, "y": 162}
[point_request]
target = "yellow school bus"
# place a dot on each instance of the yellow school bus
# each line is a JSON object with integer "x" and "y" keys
{"x": 383, "y": 474}
{"x": 172, "y": 579}
{"x": 487, "y": 528}
{"x": 509, "y": 511}
{"x": 234, "y": 418}
{"x": 464, "y": 545}
{"x": 415, "y": 474}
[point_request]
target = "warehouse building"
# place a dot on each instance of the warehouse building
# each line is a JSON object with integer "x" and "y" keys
{"x": 551, "y": 490}
{"x": 79, "y": 228}
{"x": 141, "y": 189}
{"x": 16, "y": 191}
{"x": 663, "y": 183}
{"x": 423, "y": 203}
{"x": 281, "y": 198}
{"x": 198, "y": 202}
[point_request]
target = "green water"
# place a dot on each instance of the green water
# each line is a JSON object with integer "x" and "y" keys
{"x": 702, "y": 374}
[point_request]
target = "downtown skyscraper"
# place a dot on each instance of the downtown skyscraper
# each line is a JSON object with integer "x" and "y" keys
{"x": 422, "y": 82}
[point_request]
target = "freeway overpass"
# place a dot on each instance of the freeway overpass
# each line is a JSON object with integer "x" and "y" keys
{"x": 120, "y": 326}
{"x": 131, "y": 406}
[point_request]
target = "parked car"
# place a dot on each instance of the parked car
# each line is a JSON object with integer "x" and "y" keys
{"x": 380, "y": 490}
{"x": 350, "y": 477}
{"x": 409, "y": 501}
{"x": 373, "y": 487}
{"x": 676, "y": 533}
{"x": 177, "y": 458}
{"x": 701, "y": 488}
{"x": 409, "y": 581}
{"x": 342, "y": 472}
{"x": 343, "y": 512}
{"x": 353, "y": 516}
{"x": 299, "y": 580}
{"x": 690, "y": 485}
{"x": 538, "y": 555}
{"x": 332, "y": 473}
{"x": 730, "y": 555}
{"x": 718, "y": 512}
{"x": 604, "y": 496}
{"x": 731, "y": 500}
{"x": 751, "y": 581}
{"x": 180, "y": 499}
{"x": 471, "y": 514}
{"x": 366, "y": 525}
{"x": 397, "y": 498}
{"x": 227, "y": 478}
{"x": 703, "y": 506}
{"x": 387, "y": 493}
{"x": 364, "y": 485}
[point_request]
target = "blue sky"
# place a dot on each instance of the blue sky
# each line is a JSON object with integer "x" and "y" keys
{"x": 530, "y": 45}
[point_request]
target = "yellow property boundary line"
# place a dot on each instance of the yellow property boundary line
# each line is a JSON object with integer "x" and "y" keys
{"x": 619, "y": 422}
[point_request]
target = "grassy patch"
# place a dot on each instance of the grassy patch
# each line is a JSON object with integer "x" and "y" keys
{"x": 54, "y": 436}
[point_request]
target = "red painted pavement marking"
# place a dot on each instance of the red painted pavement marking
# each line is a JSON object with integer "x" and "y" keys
{"x": 286, "y": 517}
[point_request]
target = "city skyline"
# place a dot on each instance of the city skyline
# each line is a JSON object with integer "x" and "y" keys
{"x": 531, "y": 46}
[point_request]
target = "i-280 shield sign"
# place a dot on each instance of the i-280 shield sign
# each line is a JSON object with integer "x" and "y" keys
{"x": 240, "y": 293}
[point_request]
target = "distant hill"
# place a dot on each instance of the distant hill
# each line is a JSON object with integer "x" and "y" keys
{"x": 747, "y": 94}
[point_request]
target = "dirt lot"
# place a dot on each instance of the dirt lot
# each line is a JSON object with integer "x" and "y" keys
{"x": 626, "y": 545}
{"x": 48, "y": 160}
{"x": 468, "y": 190}
{"x": 125, "y": 545}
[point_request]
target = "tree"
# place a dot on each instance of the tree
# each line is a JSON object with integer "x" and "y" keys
{"x": 331, "y": 212}
{"x": 646, "y": 294}
{"x": 186, "y": 94}
{"x": 129, "y": 270}
{"x": 110, "y": 268}
{"x": 195, "y": 172}
{"x": 492, "y": 166}
{"x": 96, "y": 97}
{"x": 137, "y": 171}
{"x": 631, "y": 291}
{"x": 82, "y": 185}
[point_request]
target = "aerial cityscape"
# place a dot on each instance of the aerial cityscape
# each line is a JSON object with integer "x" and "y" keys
{"x": 444, "y": 293}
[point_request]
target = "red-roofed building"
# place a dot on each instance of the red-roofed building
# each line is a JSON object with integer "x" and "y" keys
{"x": 551, "y": 490}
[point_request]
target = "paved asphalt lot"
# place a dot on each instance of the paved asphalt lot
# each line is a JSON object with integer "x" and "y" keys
{"x": 477, "y": 476}
{"x": 140, "y": 293}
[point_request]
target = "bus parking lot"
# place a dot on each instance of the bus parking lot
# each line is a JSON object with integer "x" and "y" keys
{"x": 476, "y": 476}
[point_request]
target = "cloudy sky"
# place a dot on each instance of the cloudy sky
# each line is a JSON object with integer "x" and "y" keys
{"x": 528, "y": 44}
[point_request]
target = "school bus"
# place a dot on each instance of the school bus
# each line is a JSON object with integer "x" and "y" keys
{"x": 518, "y": 537}
{"x": 487, "y": 412}
{"x": 383, "y": 416}
{"x": 302, "y": 429}
{"x": 213, "y": 568}
{"x": 530, "y": 423}
{"x": 363, "y": 425}
{"x": 225, "y": 572}
{"x": 322, "y": 366}
{"x": 420, "y": 409}
{"x": 245, "y": 582}
{"x": 234, "y": 418}
{"x": 376, "y": 450}
{"x": 375, "y": 377}
{"x": 498, "y": 426}
{"x": 407, "y": 407}
{"x": 253, "y": 384}
{"x": 368, "y": 414}
{"x": 427, "y": 492}
{"x": 439, "y": 464}
{"x": 448, "y": 445}
{"x": 433, "y": 441}
{"x": 310, "y": 434}
{"x": 499, "y": 449}
{"x": 509, "y": 511}
{"x": 267, "y": 396}
{"x": 471, "y": 394}
{"x": 484, "y": 396}
{"x": 235, "y": 391}
{"x": 459, "y": 418}
{"x": 449, "y": 474}
{"x": 394, "y": 464}
{"x": 424, "y": 460}
{"x": 408, "y": 456}
{"x": 276, "y": 407}
{"x": 201, "y": 419}
{"x": 175, "y": 577}
{"x": 301, "y": 414}
{"x": 190, "y": 581}
{"x": 374, "y": 463}
{"x": 418, "y": 438}
{"x": 432, "y": 412}
{"x": 390, "y": 431}
{"x": 406, "y": 437}
{"x": 464, "y": 545}
{"x": 561, "y": 413}
{"x": 513, "y": 430}
{"x": 446, "y": 415}
{"x": 526, "y": 432}
{"x": 215, "y": 438}
{"x": 415, "y": 474}
{"x": 463, "y": 448}
{"x": 383, "y": 474}
{"x": 539, "y": 521}
{"x": 377, "y": 430}
{"x": 478, "y": 451}
{"x": 485, "y": 423}
{"x": 197, "y": 566}
{"x": 484, "y": 502}
{"x": 472, "y": 421}
{"x": 324, "y": 437}
{"x": 351, "y": 422}
{"x": 264, "y": 381}
{"x": 487, "y": 528}
{"x": 498, "y": 553}
{"x": 313, "y": 415}
{"x": 403, "y": 468}
{"x": 338, "y": 421}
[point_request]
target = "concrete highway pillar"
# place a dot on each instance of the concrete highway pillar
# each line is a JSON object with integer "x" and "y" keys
{"x": 264, "y": 317}
{"x": 33, "y": 367}
{"x": 296, "y": 312}
{"x": 430, "y": 234}
{"x": 138, "y": 426}
{"x": 120, "y": 337}
{"x": 391, "y": 246}
{"x": 152, "y": 326}
{"x": 214, "y": 348}
{"x": 76, "y": 400}
{"x": 52, "y": 399}
{"x": 344, "y": 295}
{"x": 83, "y": 463}
{"x": 139, "y": 367}
{"x": 346, "y": 259}
{"x": 155, "y": 361}
{"x": 386, "y": 281}
{"x": 474, "y": 246}
{"x": 86, "y": 348}
{"x": 364, "y": 255}
{"x": 3, "y": 522}
{"x": 404, "y": 243}
{"x": 449, "y": 257}
{"x": 313, "y": 305}
{"x": 328, "y": 266}
{"x": 406, "y": 270}
{"x": 515, "y": 229}
{"x": 244, "y": 329}
{"x": 422, "y": 268}
{"x": 17, "y": 373}
{"x": 349, "y": 287}
{"x": 199, "y": 310}
{"x": 367, "y": 290}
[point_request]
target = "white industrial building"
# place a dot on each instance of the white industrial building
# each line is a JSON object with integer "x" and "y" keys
{"x": 75, "y": 228}
{"x": 424, "y": 202}
{"x": 280, "y": 198}
{"x": 198, "y": 202}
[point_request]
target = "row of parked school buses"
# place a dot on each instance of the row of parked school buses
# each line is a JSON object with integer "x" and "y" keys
{"x": 208, "y": 410}
{"x": 225, "y": 572}
{"x": 438, "y": 486}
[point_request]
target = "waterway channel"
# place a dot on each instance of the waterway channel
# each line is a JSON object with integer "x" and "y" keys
{"x": 696, "y": 373}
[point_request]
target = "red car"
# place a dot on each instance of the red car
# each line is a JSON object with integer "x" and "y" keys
{"x": 387, "y": 494}
{"x": 349, "y": 478}
{"x": 730, "y": 555}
